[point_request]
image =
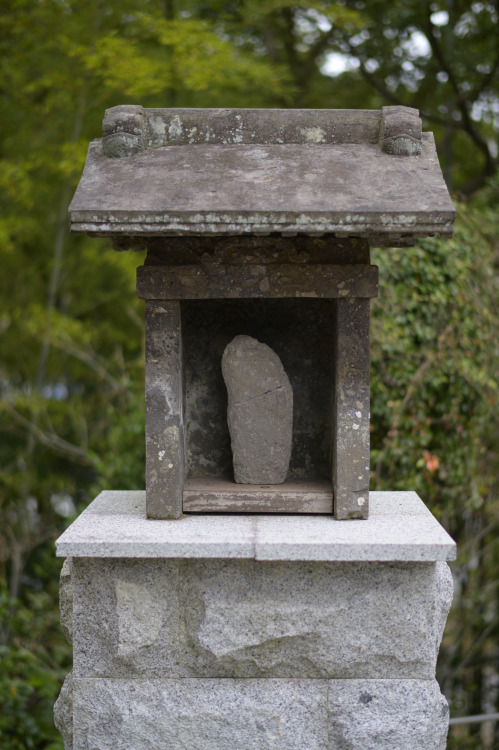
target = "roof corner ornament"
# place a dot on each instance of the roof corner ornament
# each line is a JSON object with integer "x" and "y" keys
{"x": 123, "y": 131}
{"x": 400, "y": 131}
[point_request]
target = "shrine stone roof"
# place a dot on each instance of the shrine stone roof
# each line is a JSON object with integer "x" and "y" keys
{"x": 219, "y": 172}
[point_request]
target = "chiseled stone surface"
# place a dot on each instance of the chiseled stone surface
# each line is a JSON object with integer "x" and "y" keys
{"x": 400, "y": 527}
{"x": 63, "y": 712}
{"x": 259, "y": 412}
{"x": 200, "y": 715}
{"x": 259, "y": 715}
{"x": 387, "y": 715}
{"x": 242, "y": 618}
{"x": 445, "y": 592}
{"x": 126, "y": 615}
{"x": 310, "y": 620}
{"x": 66, "y": 599}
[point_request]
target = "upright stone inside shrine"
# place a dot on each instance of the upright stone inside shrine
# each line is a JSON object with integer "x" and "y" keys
{"x": 257, "y": 595}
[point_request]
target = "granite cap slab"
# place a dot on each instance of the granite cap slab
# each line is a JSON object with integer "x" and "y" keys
{"x": 400, "y": 528}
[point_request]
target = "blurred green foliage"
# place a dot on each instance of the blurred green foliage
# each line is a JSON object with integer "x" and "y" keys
{"x": 71, "y": 350}
{"x": 435, "y": 365}
{"x": 35, "y": 660}
{"x": 435, "y": 429}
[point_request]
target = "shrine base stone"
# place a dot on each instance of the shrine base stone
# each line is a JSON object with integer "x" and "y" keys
{"x": 259, "y": 714}
{"x": 254, "y": 632}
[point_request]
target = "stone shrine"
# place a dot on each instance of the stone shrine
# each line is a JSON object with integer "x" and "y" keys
{"x": 312, "y": 616}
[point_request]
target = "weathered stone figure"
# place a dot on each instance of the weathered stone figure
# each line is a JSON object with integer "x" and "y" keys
{"x": 260, "y": 411}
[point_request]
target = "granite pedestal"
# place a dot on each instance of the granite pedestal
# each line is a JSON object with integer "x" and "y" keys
{"x": 259, "y": 632}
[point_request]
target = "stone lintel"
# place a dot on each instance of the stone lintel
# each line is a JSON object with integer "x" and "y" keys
{"x": 399, "y": 528}
{"x": 165, "y": 422}
{"x": 257, "y": 281}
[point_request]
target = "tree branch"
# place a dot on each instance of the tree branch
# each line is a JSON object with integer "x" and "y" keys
{"x": 371, "y": 79}
{"x": 51, "y": 440}
{"x": 320, "y": 45}
{"x": 89, "y": 358}
{"x": 461, "y": 99}
{"x": 486, "y": 80}
{"x": 269, "y": 41}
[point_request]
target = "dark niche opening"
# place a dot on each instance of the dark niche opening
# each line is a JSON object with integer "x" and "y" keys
{"x": 301, "y": 332}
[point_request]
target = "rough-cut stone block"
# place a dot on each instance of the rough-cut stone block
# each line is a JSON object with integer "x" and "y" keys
{"x": 203, "y": 654}
{"x": 126, "y": 618}
{"x": 350, "y": 443}
{"x": 63, "y": 712}
{"x": 259, "y": 715}
{"x": 299, "y": 330}
{"x": 200, "y": 715}
{"x": 242, "y": 618}
{"x": 387, "y": 715}
{"x": 445, "y": 592}
{"x": 66, "y": 599}
{"x": 260, "y": 411}
{"x": 165, "y": 422}
{"x": 338, "y": 620}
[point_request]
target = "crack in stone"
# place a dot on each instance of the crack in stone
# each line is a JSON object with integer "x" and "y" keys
{"x": 260, "y": 428}
{"x": 253, "y": 398}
